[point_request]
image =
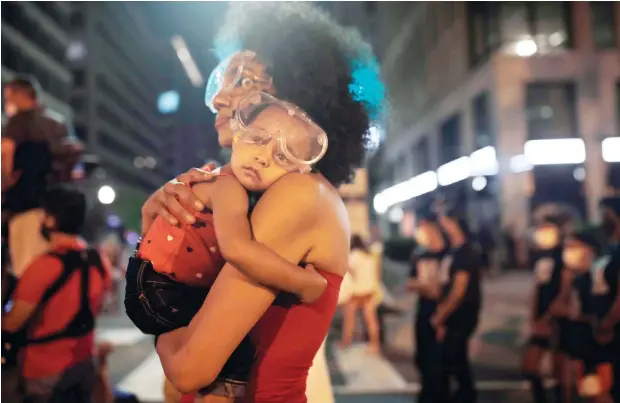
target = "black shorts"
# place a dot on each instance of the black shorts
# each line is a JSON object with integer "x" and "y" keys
{"x": 569, "y": 336}
{"x": 577, "y": 339}
{"x": 157, "y": 304}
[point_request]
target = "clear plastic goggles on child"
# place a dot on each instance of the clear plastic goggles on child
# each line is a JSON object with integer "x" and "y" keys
{"x": 300, "y": 142}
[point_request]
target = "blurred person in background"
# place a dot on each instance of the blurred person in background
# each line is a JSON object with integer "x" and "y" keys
{"x": 37, "y": 149}
{"x": 548, "y": 272}
{"x": 365, "y": 281}
{"x": 579, "y": 306}
{"x": 113, "y": 248}
{"x": 52, "y": 319}
{"x": 606, "y": 287}
{"x": 432, "y": 245}
{"x": 457, "y": 313}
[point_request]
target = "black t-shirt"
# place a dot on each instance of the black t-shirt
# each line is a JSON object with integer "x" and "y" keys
{"x": 548, "y": 273}
{"x": 425, "y": 263}
{"x": 463, "y": 259}
{"x": 598, "y": 288}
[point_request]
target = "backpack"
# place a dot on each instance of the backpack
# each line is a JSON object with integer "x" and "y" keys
{"x": 81, "y": 324}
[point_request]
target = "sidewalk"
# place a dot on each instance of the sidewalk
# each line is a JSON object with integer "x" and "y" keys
{"x": 495, "y": 348}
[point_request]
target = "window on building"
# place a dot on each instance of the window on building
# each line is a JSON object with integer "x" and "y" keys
{"x": 603, "y": 23}
{"x": 551, "y": 111}
{"x": 483, "y": 131}
{"x": 421, "y": 156}
{"x": 450, "y": 145}
{"x": 79, "y": 78}
{"x": 80, "y": 132}
{"x": 520, "y": 28}
{"x": 76, "y": 20}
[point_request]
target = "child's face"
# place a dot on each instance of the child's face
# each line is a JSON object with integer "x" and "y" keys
{"x": 258, "y": 165}
{"x": 577, "y": 256}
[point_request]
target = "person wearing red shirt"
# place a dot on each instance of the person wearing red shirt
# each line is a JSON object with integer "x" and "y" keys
{"x": 296, "y": 53}
{"x": 56, "y": 301}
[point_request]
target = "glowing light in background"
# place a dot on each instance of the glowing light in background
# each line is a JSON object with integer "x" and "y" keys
{"x": 375, "y": 136}
{"x": 555, "y": 151}
{"x": 453, "y": 171}
{"x": 168, "y": 102}
{"x": 114, "y": 221}
{"x": 76, "y": 51}
{"x": 483, "y": 162}
{"x": 519, "y": 164}
{"x": 579, "y": 174}
{"x": 414, "y": 187}
{"x": 191, "y": 69}
{"x": 526, "y": 48}
{"x": 479, "y": 183}
{"x": 396, "y": 215}
{"x": 106, "y": 195}
{"x": 611, "y": 149}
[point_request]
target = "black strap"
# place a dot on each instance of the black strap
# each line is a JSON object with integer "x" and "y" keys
{"x": 84, "y": 321}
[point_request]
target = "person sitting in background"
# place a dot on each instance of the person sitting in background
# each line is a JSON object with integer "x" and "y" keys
{"x": 55, "y": 303}
{"x": 37, "y": 150}
{"x": 365, "y": 283}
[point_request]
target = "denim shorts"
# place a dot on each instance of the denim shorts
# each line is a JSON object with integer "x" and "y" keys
{"x": 157, "y": 304}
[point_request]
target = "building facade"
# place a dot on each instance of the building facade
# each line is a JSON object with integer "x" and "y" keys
{"x": 35, "y": 36}
{"x": 473, "y": 85}
{"x": 118, "y": 75}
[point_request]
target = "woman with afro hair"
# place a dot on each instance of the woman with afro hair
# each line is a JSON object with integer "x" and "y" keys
{"x": 296, "y": 53}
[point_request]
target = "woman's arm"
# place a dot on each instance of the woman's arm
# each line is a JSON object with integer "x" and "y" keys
{"x": 284, "y": 221}
{"x": 174, "y": 201}
{"x": 230, "y": 215}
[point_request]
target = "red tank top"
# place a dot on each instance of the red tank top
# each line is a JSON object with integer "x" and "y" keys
{"x": 286, "y": 339}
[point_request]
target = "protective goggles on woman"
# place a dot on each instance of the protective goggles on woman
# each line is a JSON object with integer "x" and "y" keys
{"x": 303, "y": 147}
{"x": 235, "y": 76}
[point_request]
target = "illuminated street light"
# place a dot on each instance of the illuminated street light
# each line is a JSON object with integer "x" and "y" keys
{"x": 526, "y": 48}
{"x": 479, "y": 183}
{"x": 106, "y": 194}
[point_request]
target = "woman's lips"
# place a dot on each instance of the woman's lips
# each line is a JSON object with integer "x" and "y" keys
{"x": 221, "y": 121}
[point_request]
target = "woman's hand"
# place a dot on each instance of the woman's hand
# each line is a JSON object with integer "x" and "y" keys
{"x": 175, "y": 201}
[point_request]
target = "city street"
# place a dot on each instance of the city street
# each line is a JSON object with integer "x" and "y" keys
{"x": 360, "y": 377}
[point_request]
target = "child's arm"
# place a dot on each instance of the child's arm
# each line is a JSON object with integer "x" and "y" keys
{"x": 229, "y": 201}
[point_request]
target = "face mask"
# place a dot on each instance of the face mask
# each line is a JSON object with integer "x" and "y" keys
{"x": 574, "y": 258}
{"x": 546, "y": 239}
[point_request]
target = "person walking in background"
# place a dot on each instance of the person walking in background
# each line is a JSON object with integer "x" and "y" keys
{"x": 365, "y": 281}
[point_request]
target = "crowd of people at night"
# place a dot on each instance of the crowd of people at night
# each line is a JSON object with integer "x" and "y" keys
{"x": 240, "y": 269}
